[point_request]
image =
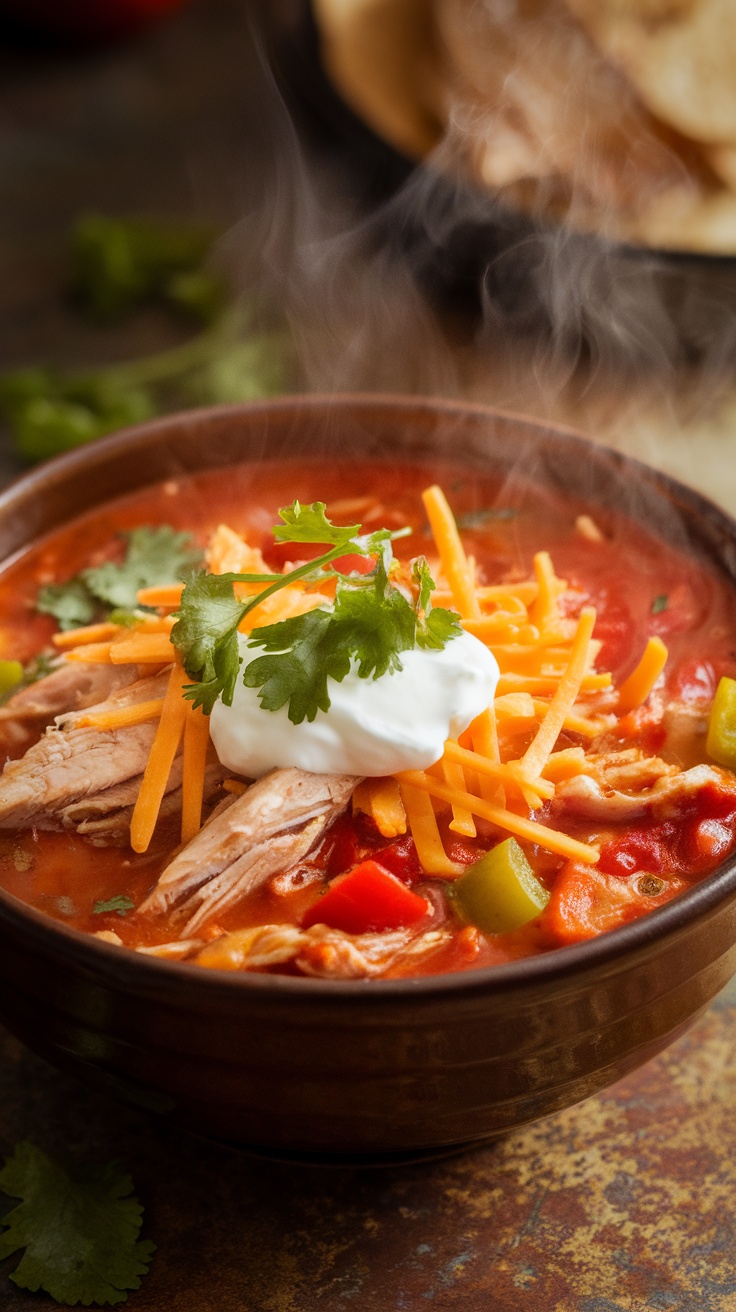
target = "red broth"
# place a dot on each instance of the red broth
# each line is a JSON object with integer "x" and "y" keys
{"x": 639, "y": 585}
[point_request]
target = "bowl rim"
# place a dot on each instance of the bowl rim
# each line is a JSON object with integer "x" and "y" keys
{"x": 554, "y": 966}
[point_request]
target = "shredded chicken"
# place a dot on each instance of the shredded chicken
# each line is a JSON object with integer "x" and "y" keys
{"x": 70, "y": 765}
{"x": 74, "y": 686}
{"x": 267, "y": 829}
{"x": 105, "y": 818}
{"x": 320, "y": 952}
{"x": 586, "y": 796}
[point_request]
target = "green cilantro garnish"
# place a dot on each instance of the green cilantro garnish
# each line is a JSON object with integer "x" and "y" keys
{"x": 660, "y": 603}
{"x": 79, "y": 1227}
{"x": 119, "y": 903}
{"x": 71, "y": 604}
{"x": 153, "y": 556}
{"x": 370, "y": 623}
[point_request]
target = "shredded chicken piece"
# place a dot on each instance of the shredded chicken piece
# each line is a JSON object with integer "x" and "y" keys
{"x": 587, "y": 797}
{"x": 320, "y": 951}
{"x": 178, "y": 950}
{"x": 109, "y": 936}
{"x": 267, "y": 829}
{"x": 71, "y": 764}
{"x": 73, "y": 686}
{"x": 105, "y": 818}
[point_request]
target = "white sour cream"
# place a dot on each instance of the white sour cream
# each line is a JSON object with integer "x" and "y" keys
{"x": 373, "y": 727}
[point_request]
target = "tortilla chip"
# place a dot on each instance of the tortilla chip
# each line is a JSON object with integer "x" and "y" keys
{"x": 683, "y": 64}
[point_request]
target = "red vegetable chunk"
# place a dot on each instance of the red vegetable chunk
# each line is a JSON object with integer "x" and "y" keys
{"x": 366, "y": 900}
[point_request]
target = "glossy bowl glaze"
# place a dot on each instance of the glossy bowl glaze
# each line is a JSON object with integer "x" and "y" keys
{"x": 362, "y": 1070}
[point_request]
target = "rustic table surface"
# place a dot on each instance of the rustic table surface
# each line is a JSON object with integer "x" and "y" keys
{"x": 621, "y": 1204}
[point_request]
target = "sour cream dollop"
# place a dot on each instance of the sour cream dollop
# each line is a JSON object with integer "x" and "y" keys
{"x": 373, "y": 727}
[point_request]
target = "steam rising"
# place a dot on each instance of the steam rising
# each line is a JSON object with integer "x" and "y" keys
{"x": 440, "y": 289}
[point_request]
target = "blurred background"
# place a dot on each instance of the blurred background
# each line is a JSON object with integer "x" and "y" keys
{"x": 524, "y": 202}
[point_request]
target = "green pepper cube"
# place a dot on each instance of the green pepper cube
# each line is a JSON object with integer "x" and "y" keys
{"x": 721, "y": 741}
{"x": 11, "y": 673}
{"x": 500, "y": 892}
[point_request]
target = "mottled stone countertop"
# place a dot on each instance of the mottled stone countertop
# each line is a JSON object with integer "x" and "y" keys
{"x": 622, "y": 1204}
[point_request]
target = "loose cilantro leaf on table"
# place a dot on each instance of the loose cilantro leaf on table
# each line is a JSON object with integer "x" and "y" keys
{"x": 370, "y": 623}
{"x": 153, "y": 556}
{"x": 79, "y": 1227}
{"x": 119, "y": 903}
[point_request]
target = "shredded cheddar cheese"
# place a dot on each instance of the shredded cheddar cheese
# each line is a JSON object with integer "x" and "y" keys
{"x": 506, "y": 766}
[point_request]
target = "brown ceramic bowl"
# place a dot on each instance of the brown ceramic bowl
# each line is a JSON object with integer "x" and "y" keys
{"x": 364, "y": 1069}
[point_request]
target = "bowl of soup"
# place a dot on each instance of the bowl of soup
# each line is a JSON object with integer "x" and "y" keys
{"x": 368, "y": 784}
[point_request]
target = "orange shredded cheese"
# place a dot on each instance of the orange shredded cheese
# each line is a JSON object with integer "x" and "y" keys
{"x": 142, "y": 649}
{"x": 455, "y": 566}
{"x": 235, "y": 786}
{"x": 424, "y": 831}
{"x": 508, "y": 774}
{"x": 164, "y": 596}
{"x": 462, "y": 821}
{"x": 539, "y": 750}
{"x": 550, "y": 839}
{"x": 196, "y": 742}
{"x": 158, "y": 767}
{"x": 381, "y": 800}
{"x": 89, "y": 633}
{"x": 637, "y": 687}
{"x": 93, "y": 653}
{"x": 140, "y": 713}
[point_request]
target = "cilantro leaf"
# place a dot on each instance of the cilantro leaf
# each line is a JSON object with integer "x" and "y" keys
{"x": 71, "y": 604}
{"x": 79, "y": 1227}
{"x": 370, "y": 625}
{"x": 206, "y": 635}
{"x": 435, "y": 625}
{"x": 310, "y": 524}
{"x": 119, "y": 903}
{"x": 153, "y": 556}
{"x": 660, "y": 603}
{"x": 371, "y": 622}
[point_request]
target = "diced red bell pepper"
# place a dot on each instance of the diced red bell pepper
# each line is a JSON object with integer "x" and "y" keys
{"x": 586, "y": 902}
{"x": 365, "y": 900}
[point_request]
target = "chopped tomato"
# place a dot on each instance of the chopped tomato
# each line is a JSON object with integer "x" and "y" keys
{"x": 345, "y": 848}
{"x": 637, "y": 850}
{"x": 366, "y": 900}
{"x": 695, "y": 681}
{"x": 400, "y": 857}
{"x": 614, "y": 627}
{"x": 586, "y": 901}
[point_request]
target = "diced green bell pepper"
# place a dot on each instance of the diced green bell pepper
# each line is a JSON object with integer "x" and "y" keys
{"x": 11, "y": 673}
{"x": 500, "y": 892}
{"x": 721, "y": 741}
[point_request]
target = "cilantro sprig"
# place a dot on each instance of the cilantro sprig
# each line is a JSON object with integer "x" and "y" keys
{"x": 370, "y": 623}
{"x": 78, "y": 1225}
{"x": 152, "y": 556}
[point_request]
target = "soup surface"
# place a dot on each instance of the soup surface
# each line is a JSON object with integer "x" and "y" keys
{"x": 628, "y": 776}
